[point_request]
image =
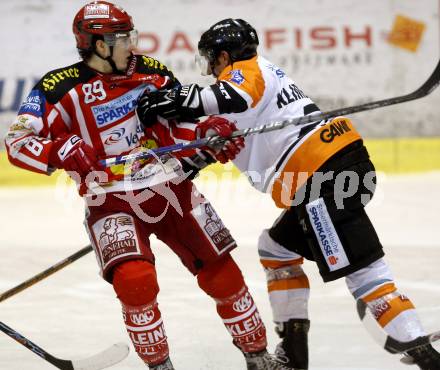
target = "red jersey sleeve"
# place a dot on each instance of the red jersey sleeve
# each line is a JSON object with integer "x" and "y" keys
{"x": 28, "y": 140}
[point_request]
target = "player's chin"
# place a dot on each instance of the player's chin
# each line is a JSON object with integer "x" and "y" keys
{"x": 123, "y": 65}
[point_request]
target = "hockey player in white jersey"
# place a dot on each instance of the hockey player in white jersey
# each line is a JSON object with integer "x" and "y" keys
{"x": 320, "y": 173}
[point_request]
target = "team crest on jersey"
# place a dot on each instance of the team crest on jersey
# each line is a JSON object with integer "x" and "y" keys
{"x": 236, "y": 76}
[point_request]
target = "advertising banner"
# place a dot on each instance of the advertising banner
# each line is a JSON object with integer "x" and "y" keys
{"x": 340, "y": 52}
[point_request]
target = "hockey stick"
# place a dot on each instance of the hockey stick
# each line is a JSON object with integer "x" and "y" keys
{"x": 390, "y": 344}
{"x": 110, "y": 356}
{"x": 44, "y": 274}
{"x": 431, "y": 83}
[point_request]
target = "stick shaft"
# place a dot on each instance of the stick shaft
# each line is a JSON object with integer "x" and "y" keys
{"x": 61, "y": 364}
{"x": 44, "y": 274}
{"x": 430, "y": 84}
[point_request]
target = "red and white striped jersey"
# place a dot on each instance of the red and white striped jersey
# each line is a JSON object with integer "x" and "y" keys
{"x": 99, "y": 108}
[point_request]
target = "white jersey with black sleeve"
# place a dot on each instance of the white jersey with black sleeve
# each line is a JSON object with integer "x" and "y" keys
{"x": 255, "y": 92}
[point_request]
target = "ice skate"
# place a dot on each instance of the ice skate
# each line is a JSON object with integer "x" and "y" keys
{"x": 425, "y": 357}
{"x": 167, "y": 365}
{"x": 264, "y": 361}
{"x": 293, "y": 349}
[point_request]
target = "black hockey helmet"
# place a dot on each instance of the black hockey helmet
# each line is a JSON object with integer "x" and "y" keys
{"x": 235, "y": 36}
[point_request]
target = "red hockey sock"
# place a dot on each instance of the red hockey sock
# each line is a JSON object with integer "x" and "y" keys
{"x": 242, "y": 319}
{"x": 135, "y": 284}
{"x": 224, "y": 282}
{"x": 146, "y": 331}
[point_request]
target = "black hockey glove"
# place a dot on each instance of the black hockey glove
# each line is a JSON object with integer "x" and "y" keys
{"x": 182, "y": 103}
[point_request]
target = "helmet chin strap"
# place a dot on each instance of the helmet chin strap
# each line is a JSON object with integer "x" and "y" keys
{"x": 113, "y": 65}
{"x": 110, "y": 61}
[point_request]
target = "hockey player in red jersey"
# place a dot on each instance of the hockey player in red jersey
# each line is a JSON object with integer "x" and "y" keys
{"x": 305, "y": 169}
{"x": 85, "y": 112}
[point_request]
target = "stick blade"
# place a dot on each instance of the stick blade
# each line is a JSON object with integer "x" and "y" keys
{"x": 109, "y": 357}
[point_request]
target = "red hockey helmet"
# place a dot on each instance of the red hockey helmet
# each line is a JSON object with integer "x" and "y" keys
{"x": 99, "y": 18}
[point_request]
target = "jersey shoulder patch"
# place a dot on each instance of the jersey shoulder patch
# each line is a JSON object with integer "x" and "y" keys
{"x": 148, "y": 65}
{"x": 247, "y": 76}
{"x": 55, "y": 84}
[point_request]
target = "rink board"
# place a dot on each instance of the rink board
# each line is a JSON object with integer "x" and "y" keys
{"x": 389, "y": 155}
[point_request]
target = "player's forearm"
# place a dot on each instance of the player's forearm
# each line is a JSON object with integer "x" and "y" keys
{"x": 26, "y": 149}
{"x": 222, "y": 98}
{"x": 194, "y": 101}
{"x": 189, "y": 102}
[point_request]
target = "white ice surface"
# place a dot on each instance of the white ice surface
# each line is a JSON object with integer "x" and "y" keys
{"x": 74, "y": 313}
